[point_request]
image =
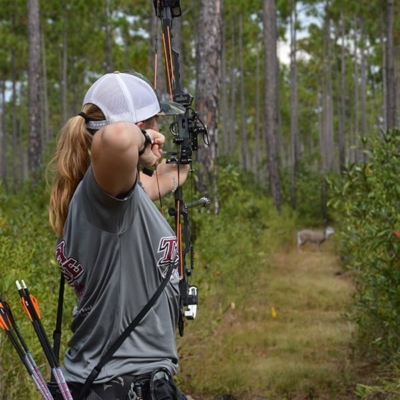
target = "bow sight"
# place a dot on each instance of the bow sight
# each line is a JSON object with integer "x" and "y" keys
{"x": 186, "y": 129}
{"x": 172, "y": 6}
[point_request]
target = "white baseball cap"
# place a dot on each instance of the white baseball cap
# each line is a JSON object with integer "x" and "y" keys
{"x": 126, "y": 97}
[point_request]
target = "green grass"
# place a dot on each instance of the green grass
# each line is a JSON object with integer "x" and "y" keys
{"x": 246, "y": 266}
{"x": 236, "y": 346}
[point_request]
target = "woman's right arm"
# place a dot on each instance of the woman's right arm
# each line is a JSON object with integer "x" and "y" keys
{"x": 115, "y": 155}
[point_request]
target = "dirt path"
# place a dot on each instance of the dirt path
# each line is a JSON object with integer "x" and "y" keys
{"x": 288, "y": 339}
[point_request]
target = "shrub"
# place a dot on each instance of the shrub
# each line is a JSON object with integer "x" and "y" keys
{"x": 26, "y": 253}
{"x": 367, "y": 200}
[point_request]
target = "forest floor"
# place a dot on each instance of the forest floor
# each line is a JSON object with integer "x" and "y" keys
{"x": 288, "y": 338}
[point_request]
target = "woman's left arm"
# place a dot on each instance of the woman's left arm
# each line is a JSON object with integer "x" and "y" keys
{"x": 165, "y": 179}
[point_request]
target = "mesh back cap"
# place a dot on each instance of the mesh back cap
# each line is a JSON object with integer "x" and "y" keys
{"x": 123, "y": 97}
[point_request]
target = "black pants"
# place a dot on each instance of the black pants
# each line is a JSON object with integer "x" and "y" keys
{"x": 126, "y": 388}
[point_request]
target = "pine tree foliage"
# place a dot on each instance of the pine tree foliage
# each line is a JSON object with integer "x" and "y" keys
{"x": 83, "y": 39}
{"x": 347, "y": 67}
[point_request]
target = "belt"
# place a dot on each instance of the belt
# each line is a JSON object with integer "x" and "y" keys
{"x": 124, "y": 387}
{"x": 139, "y": 390}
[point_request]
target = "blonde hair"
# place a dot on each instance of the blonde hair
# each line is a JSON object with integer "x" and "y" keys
{"x": 71, "y": 160}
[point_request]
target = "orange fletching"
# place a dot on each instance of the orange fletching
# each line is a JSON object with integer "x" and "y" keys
{"x": 25, "y": 307}
{"x": 3, "y": 322}
{"x": 36, "y": 305}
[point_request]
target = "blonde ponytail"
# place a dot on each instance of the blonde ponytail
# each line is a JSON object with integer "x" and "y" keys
{"x": 69, "y": 165}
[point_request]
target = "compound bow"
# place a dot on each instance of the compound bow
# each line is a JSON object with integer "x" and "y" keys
{"x": 185, "y": 129}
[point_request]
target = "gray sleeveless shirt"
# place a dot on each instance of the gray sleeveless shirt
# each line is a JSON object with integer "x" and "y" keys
{"x": 114, "y": 253}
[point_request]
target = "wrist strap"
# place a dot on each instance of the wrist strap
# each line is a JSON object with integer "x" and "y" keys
{"x": 147, "y": 141}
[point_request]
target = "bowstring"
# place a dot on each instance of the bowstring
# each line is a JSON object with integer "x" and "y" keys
{"x": 155, "y": 88}
{"x": 159, "y": 193}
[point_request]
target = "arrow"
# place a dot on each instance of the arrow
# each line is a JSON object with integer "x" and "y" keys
{"x": 8, "y": 324}
{"x": 31, "y": 307}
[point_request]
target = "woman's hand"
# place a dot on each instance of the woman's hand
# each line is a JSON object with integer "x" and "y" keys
{"x": 152, "y": 153}
{"x": 115, "y": 155}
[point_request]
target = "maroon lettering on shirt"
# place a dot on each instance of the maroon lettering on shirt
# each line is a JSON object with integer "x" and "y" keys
{"x": 70, "y": 267}
{"x": 169, "y": 248}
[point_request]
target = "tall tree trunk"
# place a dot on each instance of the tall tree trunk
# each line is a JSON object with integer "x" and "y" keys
{"x": 384, "y": 80}
{"x": 355, "y": 130}
{"x": 232, "y": 131}
{"x": 34, "y": 104}
{"x": 108, "y": 44}
{"x": 342, "y": 115}
{"x": 224, "y": 94}
{"x": 3, "y": 139}
{"x": 64, "y": 68}
{"x": 243, "y": 133}
{"x": 46, "y": 133}
{"x": 14, "y": 132}
{"x": 390, "y": 72}
{"x": 322, "y": 144}
{"x": 156, "y": 56}
{"x": 328, "y": 128}
{"x": 208, "y": 82}
{"x": 326, "y": 136}
{"x": 23, "y": 167}
{"x": 363, "y": 88}
{"x": 294, "y": 126}
{"x": 258, "y": 135}
{"x": 270, "y": 54}
{"x": 278, "y": 129}
{"x": 178, "y": 46}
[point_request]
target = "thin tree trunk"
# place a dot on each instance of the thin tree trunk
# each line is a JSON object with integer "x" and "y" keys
{"x": 3, "y": 139}
{"x": 244, "y": 150}
{"x": 64, "y": 69}
{"x": 363, "y": 89}
{"x": 384, "y": 82}
{"x": 23, "y": 167}
{"x": 270, "y": 54}
{"x": 156, "y": 57}
{"x": 208, "y": 52}
{"x": 322, "y": 144}
{"x": 14, "y": 133}
{"x": 294, "y": 127}
{"x": 329, "y": 145}
{"x": 178, "y": 46}
{"x": 232, "y": 131}
{"x": 257, "y": 144}
{"x": 342, "y": 117}
{"x": 356, "y": 151}
{"x": 108, "y": 44}
{"x": 391, "y": 116}
{"x": 46, "y": 133}
{"x": 278, "y": 119}
{"x": 224, "y": 95}
{"x": 326, "y": 140}
{"x": 34, "y": 103}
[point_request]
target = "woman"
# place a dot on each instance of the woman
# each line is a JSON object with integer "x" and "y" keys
{"x": 114, "y": 246}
